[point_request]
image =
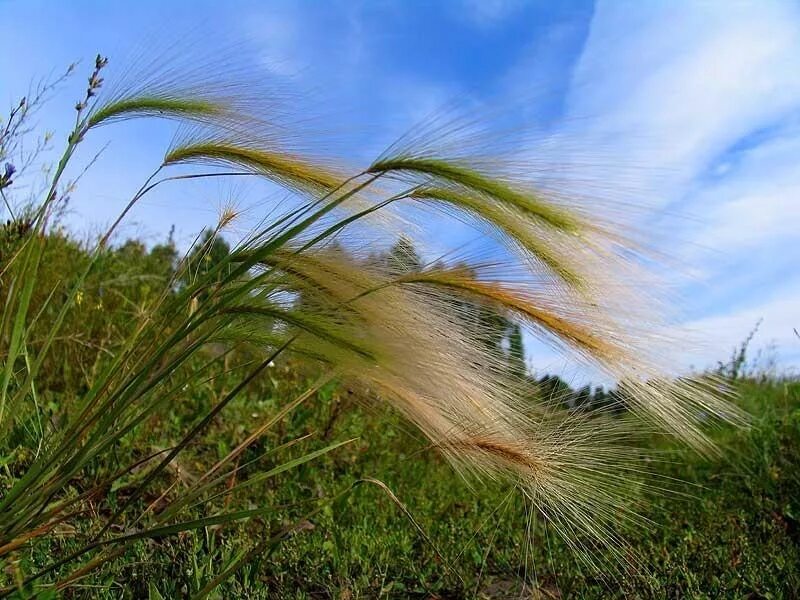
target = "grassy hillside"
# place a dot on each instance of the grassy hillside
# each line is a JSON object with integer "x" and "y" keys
{"x": 729, "y": 528}
{"x": 736, "y": 533}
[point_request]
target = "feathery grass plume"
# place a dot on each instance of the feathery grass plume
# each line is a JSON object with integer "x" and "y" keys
{"x": 292, "y": 171}
{"x": 555, "y": 235}
{"x": 327, "y": 189}
{"x": 186, "y": 79}
{"x": 470, "y": 179}
{"x": 618, "y": 346}
{"x": 582, "y": 278}
{"x": 227, "y": 215}
{"x": 419, "y": 357}
{"x": 156, "y": 106}
{"x": 509, "y": 222}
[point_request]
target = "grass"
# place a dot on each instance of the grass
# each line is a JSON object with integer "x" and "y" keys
{"x": 738, "y": 535}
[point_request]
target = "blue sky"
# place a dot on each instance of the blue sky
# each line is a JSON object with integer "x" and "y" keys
{"x": 690, "y": 109}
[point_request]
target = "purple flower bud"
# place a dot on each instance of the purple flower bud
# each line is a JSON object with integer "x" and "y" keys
{"x": 9, "y": 171}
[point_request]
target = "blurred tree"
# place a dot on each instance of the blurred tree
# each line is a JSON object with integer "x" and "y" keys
{"x": 402, "y": 257}
{"x": 207, "y": 253}
{"x": 491, "y": 328}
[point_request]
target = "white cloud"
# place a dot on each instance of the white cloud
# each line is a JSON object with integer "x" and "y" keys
{"x": 757, "y": 199}
{"x": 724, "y": 332}
{"x": 280, "y": 40}
{"x": 697, "y": 104}
{"x": 682, "y": 81}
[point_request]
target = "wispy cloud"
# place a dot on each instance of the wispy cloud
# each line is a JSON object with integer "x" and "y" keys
{"x": 488, "y": 13}
{"x": 698, "y": 102}
{"x": 684, "y": 81}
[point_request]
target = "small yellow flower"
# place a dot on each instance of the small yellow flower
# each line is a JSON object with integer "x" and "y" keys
{"x": 79, "y": 298}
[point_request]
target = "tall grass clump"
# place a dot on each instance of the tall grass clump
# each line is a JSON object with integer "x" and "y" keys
{"x": 298, "y": 286}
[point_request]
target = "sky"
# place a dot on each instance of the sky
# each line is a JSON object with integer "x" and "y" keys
{"x": 688, "y": 111}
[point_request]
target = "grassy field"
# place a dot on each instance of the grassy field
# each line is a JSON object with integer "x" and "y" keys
{"x": 735, "y": 534}
{"x": 359, "y": 504}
